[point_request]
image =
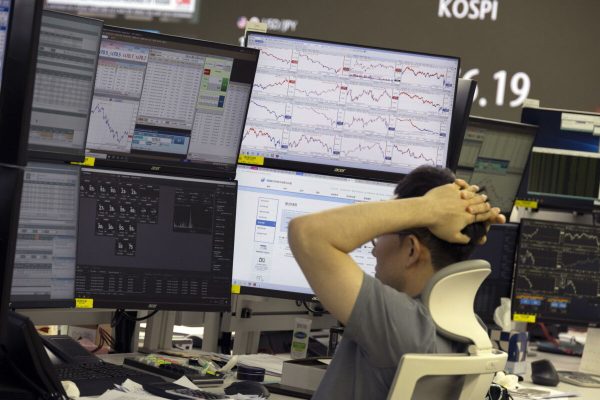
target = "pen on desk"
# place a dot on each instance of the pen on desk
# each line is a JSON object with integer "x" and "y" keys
{"x": 561, "y": 395}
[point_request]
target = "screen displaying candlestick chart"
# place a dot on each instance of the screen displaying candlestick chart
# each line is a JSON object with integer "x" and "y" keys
{"x": 348, "y": 106}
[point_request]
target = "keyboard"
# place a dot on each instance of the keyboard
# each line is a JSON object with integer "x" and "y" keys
{"x": 170, "y": 369}
{"x": 579, "y": 379}
{"x": 94, "y": 379}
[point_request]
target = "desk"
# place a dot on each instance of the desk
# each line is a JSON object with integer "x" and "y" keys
{"x": 562, "y": 363}
{"x": 118, "y": 359}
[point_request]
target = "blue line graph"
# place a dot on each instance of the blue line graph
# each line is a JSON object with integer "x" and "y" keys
{"x": 111, "y": 125}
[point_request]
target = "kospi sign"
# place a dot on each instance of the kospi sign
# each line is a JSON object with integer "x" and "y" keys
{"x": 470, "y": 9}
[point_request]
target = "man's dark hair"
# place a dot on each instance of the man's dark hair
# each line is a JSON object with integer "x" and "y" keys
{"x": 417, "y": 183}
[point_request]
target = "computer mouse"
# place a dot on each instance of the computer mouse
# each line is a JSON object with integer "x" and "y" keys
{"x": 544, "y": 373}
{"x": 247, "y": 387}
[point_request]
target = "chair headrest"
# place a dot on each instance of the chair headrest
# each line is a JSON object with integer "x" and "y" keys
{"x": 449, "y": 296}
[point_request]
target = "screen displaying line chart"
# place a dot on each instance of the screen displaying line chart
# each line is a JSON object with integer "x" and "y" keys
{"x": 557, "y": 272}
{"x": 351, "y": 106}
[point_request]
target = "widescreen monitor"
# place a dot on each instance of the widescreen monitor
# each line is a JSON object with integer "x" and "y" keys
{"x": 499, "y": 250}
{"x": 154, "y": 242}
{"x": 557, "y": 276}
{"x": 137, "y": 9}
{"x": 494, "y": 156}
{"x": 169, "y": 104}
{"x": 267, "y": 200}
{"x": 11, "y": 181}
{"x": 564, "y": 171}
{"x": 44, "y": 265}
{"x": 358, "y": 111}
{"x": 20, "y": 20}
{"x": 64, "y": 84}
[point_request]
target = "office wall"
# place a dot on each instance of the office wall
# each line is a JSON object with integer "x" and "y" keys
{"x": 553, "y": 44}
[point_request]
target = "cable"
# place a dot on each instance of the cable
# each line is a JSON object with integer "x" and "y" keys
{"x": 121, "y": 314}
{"x": 317, "y": 311}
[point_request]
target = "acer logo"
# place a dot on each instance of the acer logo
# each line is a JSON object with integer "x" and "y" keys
{"x": 471, "y": 9}
{"x": 339, "y": 170}
{"x": 154, "y": 168}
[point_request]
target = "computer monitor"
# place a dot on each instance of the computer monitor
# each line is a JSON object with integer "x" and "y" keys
{"x": 465, "y": 90}
{"x": 499, "y": 250}
{"x": 557, "y": 276}
{"x": 64, "y": 84}
{"x": 11, "y": 182}
{"x": 21, "y": 26}
{"x": 170, "y": 9}
{"x": 494, "y": 155}
{"x": 358, "y": 111}
{"x": 147, "y": 241}
{"x": 44, "y": 264}
{"x": 564, "y": 170}
{"x": 169, "y": 104}
{"x": 263, "y": 263}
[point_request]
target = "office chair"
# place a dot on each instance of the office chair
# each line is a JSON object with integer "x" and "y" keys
{"x": 449, "y": 297}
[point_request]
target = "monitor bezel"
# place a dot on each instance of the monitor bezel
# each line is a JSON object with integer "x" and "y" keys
{"x": 507, "y": 227}
{"x": 341, "y": 170}
{"x": 513, "y": 301}
{"x": 465, "y": 92}
{"x": 18, "y": 78}
{"x": 193, "y": 170}
{"x": 115, "y": 302}
{"x": 548, "y": 201}
{"x": 10, "y": 202}
{"x": 47, "y": 153}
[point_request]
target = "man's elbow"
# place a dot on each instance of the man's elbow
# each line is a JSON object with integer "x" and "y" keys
{"x": 299, "y": 234}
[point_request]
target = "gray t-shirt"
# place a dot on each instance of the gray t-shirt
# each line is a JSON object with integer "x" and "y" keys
{"x": 384, "y": 325}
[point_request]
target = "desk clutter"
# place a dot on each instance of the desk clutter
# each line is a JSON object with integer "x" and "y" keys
{"x": 200, "y": 371}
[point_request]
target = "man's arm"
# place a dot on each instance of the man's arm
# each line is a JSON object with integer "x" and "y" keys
{"x": 321, "y": 242}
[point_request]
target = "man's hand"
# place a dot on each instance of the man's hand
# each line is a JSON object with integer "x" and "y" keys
{"x": 456, "y": 205}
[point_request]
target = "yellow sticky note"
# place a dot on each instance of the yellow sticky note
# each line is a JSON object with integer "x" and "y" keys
{"x": 87, "y": 162}
{"x": 236, "y": 289}
{"x": 252, "y": 160}
{"x": 84, "y": 303}
{"x": 526, "y": 204}
{"x": 524, "y": 318}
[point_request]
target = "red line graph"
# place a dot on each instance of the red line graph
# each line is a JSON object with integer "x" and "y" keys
{"x": 317, "y": 62}
{"x": 310, "y": 139}
{"x": 370, "y": 93}
{"x": 425, "y": 74}
{"x": 421, "y": 98}
{"x": 410, "y": 121}
{"x": 270, "y": 85}
{"x": 273, "y": 56}
{"x": 414, "y": 154}
{"x": 367, "y": 121}
{"x": 370, "y": 66}
{"x": 259, "y": 133}
{"x": 362, "y": 148}
{"x": 332, "y": 121}
{"x": 317, "y": 93}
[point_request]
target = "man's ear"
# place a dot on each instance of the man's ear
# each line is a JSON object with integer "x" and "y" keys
{"x": 414, "y": 250}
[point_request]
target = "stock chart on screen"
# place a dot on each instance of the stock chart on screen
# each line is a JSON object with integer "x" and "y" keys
{"x": 343, "y": 105}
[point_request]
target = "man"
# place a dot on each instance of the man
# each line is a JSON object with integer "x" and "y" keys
{"x": 434, "y": 221}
